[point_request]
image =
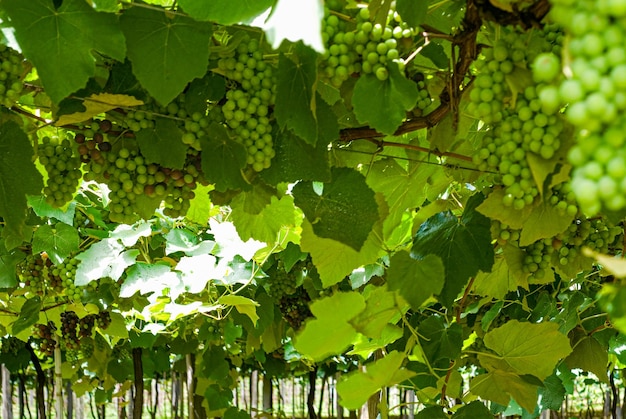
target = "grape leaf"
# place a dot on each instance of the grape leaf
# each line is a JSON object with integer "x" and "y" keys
{"x": 58, "y": 242}
{"x": 223, "y": 159}
{"x": 529, "y": 348}
{"x": 614, "y": 265}
{"x": 493, "y": 208}
{"x": 242, "y": 304}
{"x": 499, "y": 386}
{"x": 453, "y": 239}
{"x": 588, "y": 355}
{"x": 383, "y": 104}
{"x": 334, "y": 260}
{"x": 43, "y": 209}
{"x": 229, "y": 244}
{"x": 415, "y": 280}
{"x": 412, "y": 12}
{"x": 167, "y": 51}
{"x": 130, "y": 234}
{"x": 8, "y": 264}
{"x": 552, "y": 394}
{"x": 296, "y": 160}
{"x": 439, "y": 339}
{"x": 18, "y": 178}
{"x": 381, "y": 307}
{"x": 497, "y": 283}
{"x": 544, "y": 221}
{"x": 200, "y": 209}
{"x": 211, "y": 87}
{"x": 107, "y": 258}
{"x": 286, "y": 19}
{"x": 329, "y": 333}
{"x": 298, "y": 106}
{"x": 61, "y": 42}
{"x": 147, "y": 278}
{"x": 265, "y": 225}
{"x": 473, "y": 410}
{"x": 163, "y": 144}
{"x": 29, "y": 314}
{"x": 225, "y": 12}
{"x": 97, "y": 104}
{"x": 356, "y": 387}
{"x": 345, "y": 211}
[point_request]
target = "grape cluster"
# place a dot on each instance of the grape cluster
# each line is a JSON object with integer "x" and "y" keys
{"x": 11, "y": 73}
{"x": 66, "y": 272}
{"x": 249, "y": 101}
{"x": 10, "y": 345}
{"x": 129, "y": 176}
{"x": 44, "y": 333}
{"x": 33, "y": 272}
{"x": 595, "y": 233}
{"x": 516, "y": 121}
{"x": 69, "y": 329}
{"x": 63, "y": 167}
{"x": 538, "y": 258}
{"x": 595, "y": 95}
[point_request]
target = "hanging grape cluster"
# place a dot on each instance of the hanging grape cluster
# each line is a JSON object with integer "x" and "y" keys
{"x": 63, "y": 167}
{"x": 595, "y": 94}
{"x": 517, "y": 125}
{"x": 11, "y": 73}
{"x": 249, "y": 100}
{"x": 34, "y": 272}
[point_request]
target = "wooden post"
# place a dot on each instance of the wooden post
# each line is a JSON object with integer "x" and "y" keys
{"x": 268, "y": 394}
{"x": 7, "y": 393}
{"x": 254, "y": 392}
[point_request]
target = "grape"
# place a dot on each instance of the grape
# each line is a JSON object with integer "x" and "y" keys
{"x": 11, "y": 73}
{"x": 69, "y": 332}
{"x": 63, "y": 167}
{"x": 66, "y": 272}
{"x": 44, "y": 333}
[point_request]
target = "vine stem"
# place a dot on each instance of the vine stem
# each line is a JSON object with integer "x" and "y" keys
{"x": 383, "y": 144}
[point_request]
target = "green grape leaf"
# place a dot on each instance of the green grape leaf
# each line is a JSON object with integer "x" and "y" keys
{"x": 412, "y": 12}
{"x": 499, "y": 386}
{"x": 455, "y": 239}
{"x": 544, "y": 221}
{"x": 130, "y": 234}
{"x": 229, "y": 244}
{"x": 163, "y": 144}
{"x": 58, "y": 241}
{"x": 497, "y": 283}
{"x": 8, "y": 265}
{"x": 552, "y": 394}
{"x": 107, "y": 258}
{"x": 197, "y": 271}
{"x": 493, "y": 208}
{"x": 43, "y": 209}
{"x": 346, "y": 210}
{"x": 167, "y": 51}
{"x": 356, "y": 387}
{"x": 61, "y": 42}
{"x": 381, "y": 307}
{"x": 211, "y": 87}
{"x": 148, "y": 278}
{"x": 200, "y": 208}
{"x": 436, "y": 54}
{"x": 588, "y": 355}
{"x": 330, "y": 332}
{"x": 415, "y": 280}
{"x": 117, "y": 327}
{"x": 298, "y": 106}
{"x": 242, "y": 304}
{"x": 223, "y": 159}
{"x": 296, "y": 160}
{"x": 217, "y": 397}
{"x": 267, "y": 224}
{"x": 29, "y": 315}
{"x": 432, "y": 412}
{"x": 383, "y": 104}
{"x": 96, "y": 104}
{"x": 529, "y": 348}
{"x": 440, "y": 340}
{"x": 473, "y": 410}
{"x": 18, "y": 178}
{"x": 225, "y": 12}
{"x": 335, "y": 260}
{"x": 235, "y": 413}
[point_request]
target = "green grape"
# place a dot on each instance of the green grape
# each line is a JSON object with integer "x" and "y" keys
{"x": 63, "y": 167}
{"x": 11, "y": 73}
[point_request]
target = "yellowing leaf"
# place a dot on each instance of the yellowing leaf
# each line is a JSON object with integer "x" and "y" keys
{"x": 243, "y": 305}
{"x": 97, "y": 104}
{"x": 616, "y": 266}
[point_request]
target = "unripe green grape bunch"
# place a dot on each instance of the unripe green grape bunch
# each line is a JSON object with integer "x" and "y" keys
{"x": 66, "y": 271}
{"x": 11, "y": 73}
{"x": 250, "y": 99}
{"x": 33, "y": 272}
{"x": 595, "y": 233}
{"x": 63, "y": 167}
{"x": 594, "y": 93}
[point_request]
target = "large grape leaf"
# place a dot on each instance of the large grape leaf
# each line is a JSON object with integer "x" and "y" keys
{"x": 345, "y": 210}
{"x": 463, "y": 244}
{"x": 439, "y": 339}
{"x": 163, "y": 144}
{"x": 18, "y": 178}
{"x": 298, "y": 106}
{"x": 544, "y": 221}
{"x": 29, "y": 314}
{"x": 296, "y": 160}
{"x": 265, "y": 225}
{"x": 415, "y": 280}
{"x": 497, "y": 283}
{"x": 356, "y": 387}
{"x": 412, "y": 12}
{"x": 8, "y": 264}
{"x": 61, "y": 42}
{"x": 223, "y": 159}
{"x": 493, "y": 208}
{"x": 147, "y": 278}
{"x": 329, "y": 333}
{"x": 58, "y": 241}
{"x": 167, "y": 51}
{"x": 499, "y": 386}
{"x": 383, "y": 104}
{"x": 225, "y": 12}
{"x": 382, "y": 306}
{"x": 588, "y": 355}
{"x": 43, "y": 209}
{"x": 107, "y": 258}
{"x": 529, "y": 348}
